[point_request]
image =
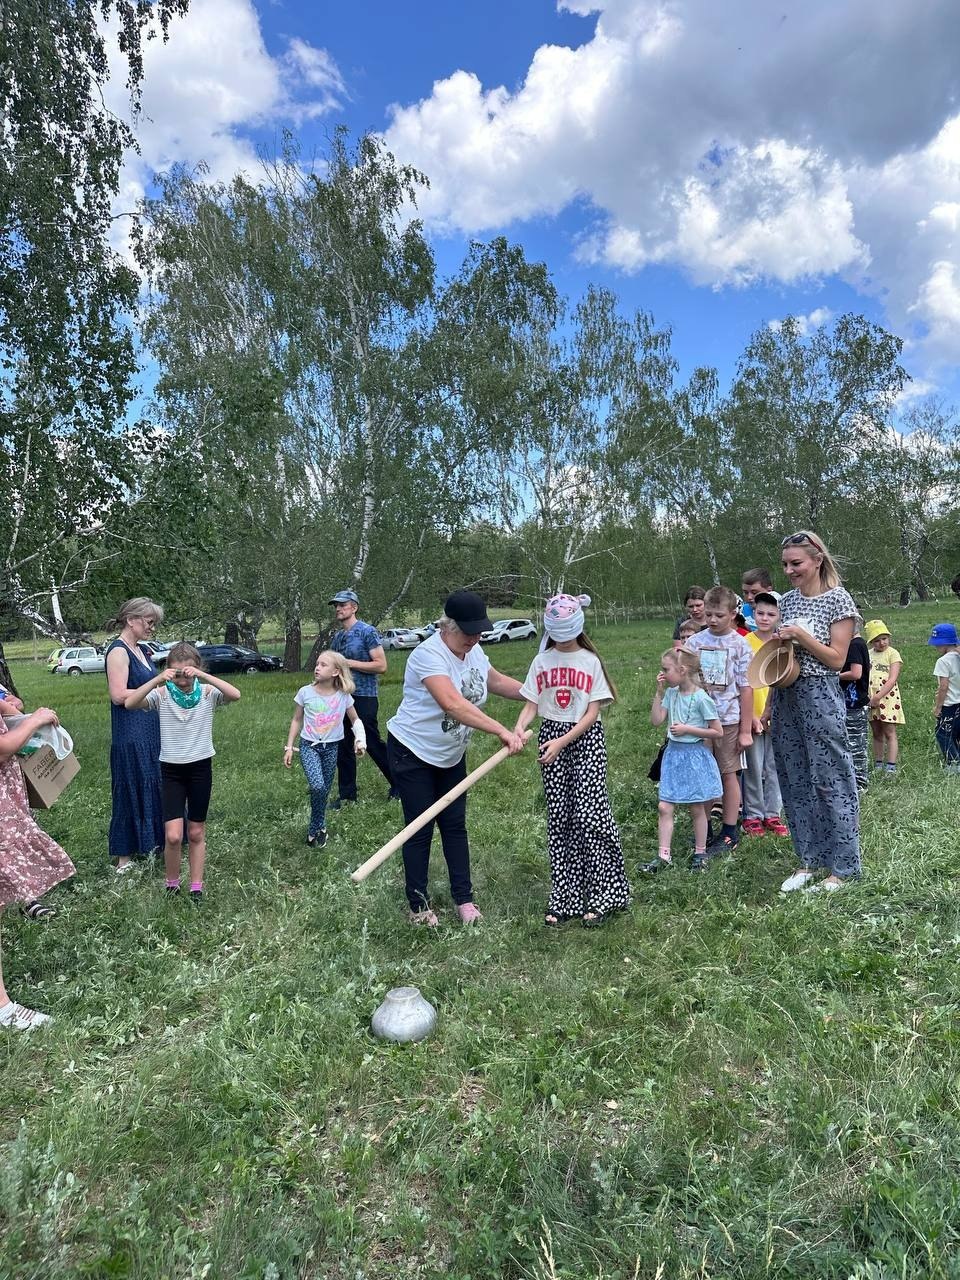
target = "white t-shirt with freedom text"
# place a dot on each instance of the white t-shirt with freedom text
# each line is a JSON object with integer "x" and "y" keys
{"x": 421, "y": 724}
{"x": 564, "y": 684}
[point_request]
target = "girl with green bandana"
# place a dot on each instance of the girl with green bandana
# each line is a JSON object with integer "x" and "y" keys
{"x": 185, "y": 698}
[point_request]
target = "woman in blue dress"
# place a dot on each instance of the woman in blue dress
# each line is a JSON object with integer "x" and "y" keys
{"x": 136, "y": 824}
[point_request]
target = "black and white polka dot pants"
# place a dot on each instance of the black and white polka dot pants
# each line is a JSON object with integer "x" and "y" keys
{"x": 586, "y": 857}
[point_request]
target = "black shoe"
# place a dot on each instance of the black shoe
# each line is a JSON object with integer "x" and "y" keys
{"x": 173, "y": 890}
{"x": 701, "y": 861}
{"x": 723, "y": 844}
{"x": 338, "y": 804}
{"x": 393, "y": 794}
{"x": 320, "y": 839}
{"x": 658, "y": 864}
{"x": 196, "y": 896}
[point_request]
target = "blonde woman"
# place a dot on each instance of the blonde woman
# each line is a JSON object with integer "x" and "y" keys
{"x": 320, "y": 711}
{"x": 808, "y": 720}
{"x": 136, "y": 822}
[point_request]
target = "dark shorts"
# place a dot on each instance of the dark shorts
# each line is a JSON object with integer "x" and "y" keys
{"x": 186, "y": 785}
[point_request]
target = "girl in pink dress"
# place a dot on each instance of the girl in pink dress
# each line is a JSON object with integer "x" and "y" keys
{"x": 30, "y": 862}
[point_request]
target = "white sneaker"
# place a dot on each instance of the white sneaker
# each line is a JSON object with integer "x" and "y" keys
{"x": 827, "y": 886}
{"x": 21, "y": 1018}
{"x": 798, "y": 880}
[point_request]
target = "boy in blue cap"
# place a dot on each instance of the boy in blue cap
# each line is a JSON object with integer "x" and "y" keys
{"x": 946, "y": 702}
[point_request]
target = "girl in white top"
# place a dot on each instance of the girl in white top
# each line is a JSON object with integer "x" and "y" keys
{"x": 318, "y": 718}
{"x": 185, "y": 698}
{"x": 566, "y": 686}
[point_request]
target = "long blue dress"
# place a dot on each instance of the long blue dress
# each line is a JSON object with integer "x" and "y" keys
{"x": 136, "y": 827}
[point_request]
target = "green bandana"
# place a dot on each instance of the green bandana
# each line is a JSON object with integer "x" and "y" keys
{"x": 185, "y": 700}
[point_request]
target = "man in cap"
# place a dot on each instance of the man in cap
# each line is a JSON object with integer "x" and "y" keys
{"x": 361, "y": 646}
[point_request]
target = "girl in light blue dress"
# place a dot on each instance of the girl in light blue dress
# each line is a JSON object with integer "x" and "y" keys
{"x": 688, "y": 771}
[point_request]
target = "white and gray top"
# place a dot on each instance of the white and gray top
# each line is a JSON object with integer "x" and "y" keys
{"x": 186, "y": 733}
{"x": 817, "y": 614}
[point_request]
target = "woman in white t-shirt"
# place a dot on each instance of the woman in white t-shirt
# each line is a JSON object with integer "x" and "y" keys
{"x": 445, "y": 684}
{"x": 566, "y": 686}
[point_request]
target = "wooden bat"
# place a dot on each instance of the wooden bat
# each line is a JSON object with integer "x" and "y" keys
{"x": 384, "y": 852}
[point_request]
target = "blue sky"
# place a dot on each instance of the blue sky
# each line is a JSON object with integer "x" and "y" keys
{"x": 720, "y": 166}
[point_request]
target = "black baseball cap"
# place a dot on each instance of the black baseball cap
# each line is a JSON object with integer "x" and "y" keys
{"x": 767, "y": 597}
{"x": 468, "y": 611}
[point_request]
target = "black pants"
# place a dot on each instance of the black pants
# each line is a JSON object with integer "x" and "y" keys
{"x": 420, "y": 784}
{"x": 186, "y": 785}
{"x": 366, "y": 709}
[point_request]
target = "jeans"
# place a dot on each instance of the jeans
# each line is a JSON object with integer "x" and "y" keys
{"x": 948, "y": 734}
{"x": 420, "y": 784}
{"x": 857, "y": 726}
{"x": 319, "y": 760}
{"x": 366, "y": 709}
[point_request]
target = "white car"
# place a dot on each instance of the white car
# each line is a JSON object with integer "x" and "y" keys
{"x": 400, "y": 638}
{"x": 510, "y": 629}
{"x": 80, "y": 660}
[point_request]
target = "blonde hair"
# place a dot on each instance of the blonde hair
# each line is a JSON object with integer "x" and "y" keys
{"x": 685, "y": 658}
{"x": 137, "y": 607}
{"x": 344, "y": 676}
{"x": 449, "y": 626}
{"x": 803, "y": 538}
{"x": 721, "y": 598}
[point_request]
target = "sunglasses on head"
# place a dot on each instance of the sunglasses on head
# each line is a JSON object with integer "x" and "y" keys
{"x": 800, "y": 540}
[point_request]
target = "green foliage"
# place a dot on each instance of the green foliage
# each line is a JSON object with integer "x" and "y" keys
{"x": 723, "y": 1083}
{"x": 66, "y": 348}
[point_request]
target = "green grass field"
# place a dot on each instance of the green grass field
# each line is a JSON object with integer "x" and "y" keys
{"x": 722, "y": 1083}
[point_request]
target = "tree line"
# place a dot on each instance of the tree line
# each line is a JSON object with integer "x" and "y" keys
{"x": 327, "y": 412}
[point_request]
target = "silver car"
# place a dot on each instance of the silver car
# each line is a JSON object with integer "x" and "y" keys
{"x": 80, "y": 660}
{"x": 400, "y": 638}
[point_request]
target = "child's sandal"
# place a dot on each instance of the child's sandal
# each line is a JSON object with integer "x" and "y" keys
{"x": 593, "y": 919}
{"x": 554, "y": 919}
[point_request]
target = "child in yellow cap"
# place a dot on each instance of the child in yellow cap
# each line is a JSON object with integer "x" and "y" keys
{"x": 886, "y": 705}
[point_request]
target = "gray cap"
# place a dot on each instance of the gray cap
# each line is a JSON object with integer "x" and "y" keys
{"x": 344, "y": 597}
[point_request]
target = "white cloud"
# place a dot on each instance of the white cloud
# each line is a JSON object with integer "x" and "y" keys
{"x": 807, "y": 324}
{"x": 210, "y": 83}
{"x": 737, "y": 142}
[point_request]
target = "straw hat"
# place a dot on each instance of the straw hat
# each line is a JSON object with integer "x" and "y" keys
{"x": 773, "y": 666}
{"x": 873, "y": 629}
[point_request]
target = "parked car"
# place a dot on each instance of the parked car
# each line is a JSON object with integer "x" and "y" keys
{"x": 158, "y": 650}
{"x": 400, "y": 638}
{"x": 227, "y": 659}
{"x": 509, "y": 629}
{"x": 80, "y": 660}
{"x": 424, "y": 632}
{"x": 53, "y": 658}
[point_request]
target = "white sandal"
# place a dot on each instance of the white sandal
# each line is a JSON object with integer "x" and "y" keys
{"x": 20, "y": 1018}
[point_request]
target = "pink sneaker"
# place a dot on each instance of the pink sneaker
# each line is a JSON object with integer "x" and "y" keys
{"x": 775, "y": 826}
{"x": 752, "y": 827}
{"x": 468, "y": 913}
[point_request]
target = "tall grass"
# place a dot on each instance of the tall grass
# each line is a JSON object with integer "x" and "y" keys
{"x": 723, "y": 1083}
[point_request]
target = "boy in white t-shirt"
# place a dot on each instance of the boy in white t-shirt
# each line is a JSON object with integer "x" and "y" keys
{"x": 946, "y": 702}
{"x": 724, "y": 658}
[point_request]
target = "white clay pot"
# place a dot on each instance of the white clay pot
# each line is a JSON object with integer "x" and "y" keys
{"x": 404, "y": 1017}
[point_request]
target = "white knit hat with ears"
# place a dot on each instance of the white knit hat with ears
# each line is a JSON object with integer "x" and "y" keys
{"x": 563, "y": 618}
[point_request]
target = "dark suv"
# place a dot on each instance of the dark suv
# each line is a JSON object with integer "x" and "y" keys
{"x": 227, "y": 659}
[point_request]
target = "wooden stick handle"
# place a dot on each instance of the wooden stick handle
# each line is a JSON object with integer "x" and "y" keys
{"x": 384, "y": 852}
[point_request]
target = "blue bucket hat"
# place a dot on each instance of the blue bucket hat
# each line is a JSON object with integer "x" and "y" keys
{"x": 944, "y": 633}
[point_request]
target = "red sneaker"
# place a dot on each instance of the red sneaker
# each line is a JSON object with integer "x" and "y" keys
{"x": 752, "y": 827}
{"x": 775, "y": 826}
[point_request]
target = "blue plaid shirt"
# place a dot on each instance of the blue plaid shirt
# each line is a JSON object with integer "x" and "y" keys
{"x": 356, "y": 644}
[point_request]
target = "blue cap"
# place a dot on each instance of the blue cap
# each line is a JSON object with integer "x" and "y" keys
{"x": 344, "y": 597}
{"x": 944, "y": 633}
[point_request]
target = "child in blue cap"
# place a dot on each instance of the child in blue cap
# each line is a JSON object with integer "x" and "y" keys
{"x": 946, "y": 702}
